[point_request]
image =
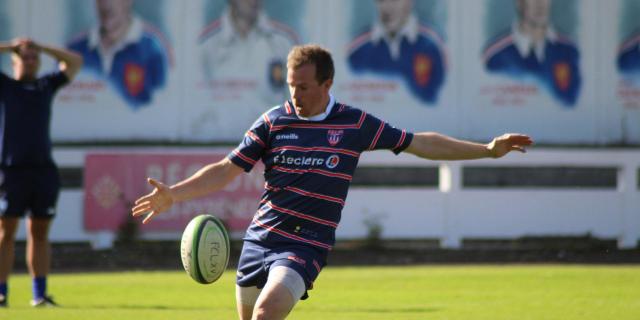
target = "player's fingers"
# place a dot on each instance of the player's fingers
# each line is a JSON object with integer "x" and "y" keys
{"x": 139, "y": 210}
{"x": 149, "y": 216}
{"x": 155, "y": 183}
{"x": 519, "y": 148}
{"x": 143, "y": 199}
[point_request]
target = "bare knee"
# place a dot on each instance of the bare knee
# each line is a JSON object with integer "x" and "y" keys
{"x": 269, "y": 312}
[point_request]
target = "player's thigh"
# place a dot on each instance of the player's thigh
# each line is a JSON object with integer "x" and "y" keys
{"x": 45, "y": 193}
{"x": 280, "y": 294}
{"x": 15, "y": 192}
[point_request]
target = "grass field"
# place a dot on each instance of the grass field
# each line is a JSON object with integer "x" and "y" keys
{"x": 415, "y": 292}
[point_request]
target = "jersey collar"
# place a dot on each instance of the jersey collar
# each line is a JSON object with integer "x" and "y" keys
{"x": 408, "y": 31}
{"x": 325, "y": 114}
{"x": 524, "y": 43}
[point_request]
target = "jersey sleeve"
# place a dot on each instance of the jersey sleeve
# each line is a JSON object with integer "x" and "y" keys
{"x": 253, "y": 145}
{"x": 377, "y": 134}
{"x": 56, "y": 80}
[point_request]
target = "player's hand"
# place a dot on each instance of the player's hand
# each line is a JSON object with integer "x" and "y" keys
{"x": 156, "y": 202}
{"x": 507, "y": 143}
{"x": 19, "y": 42}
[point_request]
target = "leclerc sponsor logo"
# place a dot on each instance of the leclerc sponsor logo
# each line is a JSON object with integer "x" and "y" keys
{"x": 333, "y": 161}
{"x": 330, "y": 162}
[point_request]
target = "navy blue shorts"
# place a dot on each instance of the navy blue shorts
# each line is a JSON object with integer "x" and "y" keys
{"x": 256, "y": 260}
{"x": 33, "y": 190}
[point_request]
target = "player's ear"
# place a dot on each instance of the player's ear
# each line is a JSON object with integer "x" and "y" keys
{"x": 327, "y": 84}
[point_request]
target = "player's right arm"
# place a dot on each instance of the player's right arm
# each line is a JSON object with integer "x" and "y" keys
{"x": 8, "y": 46}
{"x": 209, "y": 179}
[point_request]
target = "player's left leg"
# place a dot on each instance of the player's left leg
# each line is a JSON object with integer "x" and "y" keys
{"x": 283, "y": 290}
{"x": 39, "y": 257}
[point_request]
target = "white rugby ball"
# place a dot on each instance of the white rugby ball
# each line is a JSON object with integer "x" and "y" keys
{"x": 205, "y": 249}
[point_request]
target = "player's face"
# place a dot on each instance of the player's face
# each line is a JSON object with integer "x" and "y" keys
{"x": 394, "y": 13}
{"x": 246, "y": 9}
{"x": 26, "y": 63}
{"x": 308, "y": 96}
{"x": 535, "y": 12}
{"x": 113, "y": 14}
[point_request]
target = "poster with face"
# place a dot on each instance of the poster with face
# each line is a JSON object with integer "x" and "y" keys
{"x": 393, "y": 60}
{"x": 237, "y": 53}
{"x": 529, "y": 67}
{"x": 127, "y": 86}
{"x": 627, "y": 66}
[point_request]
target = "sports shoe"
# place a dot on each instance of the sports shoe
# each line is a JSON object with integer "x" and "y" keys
{"x": 3, "y": 301}
{"x": 46, "y": 301}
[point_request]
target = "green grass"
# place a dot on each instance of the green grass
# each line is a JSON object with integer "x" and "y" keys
{"x": 415, "y": 292}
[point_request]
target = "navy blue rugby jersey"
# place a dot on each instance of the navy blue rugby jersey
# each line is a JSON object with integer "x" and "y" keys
{"x": 308, "y": 169}
{"x": 25, "y": 116}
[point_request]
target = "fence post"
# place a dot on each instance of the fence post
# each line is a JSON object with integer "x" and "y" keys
{"x": 450, "y": 183}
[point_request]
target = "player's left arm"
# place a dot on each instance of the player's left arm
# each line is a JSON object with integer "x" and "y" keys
{"x": 436, "y": 146}
{"x": 70, "y": 62}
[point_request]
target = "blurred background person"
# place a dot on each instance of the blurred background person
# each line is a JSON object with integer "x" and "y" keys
{"x": 533, "y": 48}
{"x": 398, "y": 44}
{"x": 128, "y": 52}
{"x": 29, "y": 179}
{"x": 247, "y": 45}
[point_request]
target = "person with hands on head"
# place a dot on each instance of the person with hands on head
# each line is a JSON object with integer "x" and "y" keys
{"x": 29, "y": 179}
{"x": 310, "y": 146}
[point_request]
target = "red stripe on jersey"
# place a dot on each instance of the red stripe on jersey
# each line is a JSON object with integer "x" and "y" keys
{"x": 323, "y": 149}
{"x": 266, "y": 119}
{"x": 315, "y": 195}
{"x": 375, "y": 139}
{"x": 301, "y": 215}
{"x": 320, "y": 125}
{"x": 629, "y": 43}
{"x": 496, "y": 47}
{"x": 244, "y": 158}
{"x": 291, "y": 236}
{"x": 318, "y": 171}
{"x": 315, "y": 264}
{"x": 209, "y": 28}
{"x": 359, "y": 41}
{"x": 288, "y": 107}
{"x": 255, "y": 138}
{"x": 341, "y": 107}
{"x": 401, "y": 141}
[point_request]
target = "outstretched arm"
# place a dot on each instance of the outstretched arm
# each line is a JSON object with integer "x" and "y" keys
{"x": 209, "y": 179}
{"x": 436, "y": 146}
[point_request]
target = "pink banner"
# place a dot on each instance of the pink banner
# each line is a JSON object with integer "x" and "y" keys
{"x": 113, "y": 181}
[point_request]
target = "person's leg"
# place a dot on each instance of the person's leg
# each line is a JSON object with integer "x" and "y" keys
{"x": 38, "y": 254}
{"x": 245, "y": 301}
{"x": 283, "y": 290}
{"x": 8, "y": 226}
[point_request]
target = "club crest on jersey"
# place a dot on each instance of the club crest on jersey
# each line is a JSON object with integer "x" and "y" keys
{"x": 334, "y": 136}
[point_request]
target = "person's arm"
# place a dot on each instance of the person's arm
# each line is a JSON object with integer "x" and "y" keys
{"x": 436, "y": 146}
{"x": 209, "y": 179}
{"x": 6, "y": 47}
{"x": 70, "y": 62}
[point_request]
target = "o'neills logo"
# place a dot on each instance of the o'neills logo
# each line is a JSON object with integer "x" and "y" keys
{"x": 288, "y": 136}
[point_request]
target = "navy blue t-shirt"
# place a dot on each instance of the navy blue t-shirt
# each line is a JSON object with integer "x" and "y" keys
{"x": 308, "y": 169}
{"x": 25, "y": 117}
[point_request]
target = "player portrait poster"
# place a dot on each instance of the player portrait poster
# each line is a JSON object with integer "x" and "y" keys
{"x": 236, "y": 74}
{"x": 393, "y": 59}
{"x": 627, "y": 66}
{"x": 127, "y": 87}
{"x": 538, "y": 82}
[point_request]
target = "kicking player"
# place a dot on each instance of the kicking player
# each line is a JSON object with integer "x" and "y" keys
{"x": 310, "y": 146}
{"x": 28, "y": 176}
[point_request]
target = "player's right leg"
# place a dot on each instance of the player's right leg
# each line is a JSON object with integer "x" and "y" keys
{"x": 8, "y": 226}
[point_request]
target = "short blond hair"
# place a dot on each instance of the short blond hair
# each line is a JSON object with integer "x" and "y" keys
{"x": 312, "y": 54}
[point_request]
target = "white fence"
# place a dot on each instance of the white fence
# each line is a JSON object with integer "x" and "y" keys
{"x": 450, "y": 212}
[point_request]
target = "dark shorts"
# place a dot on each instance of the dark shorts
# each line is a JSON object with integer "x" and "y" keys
{"x": 256, "y": 260}
{"x": 33, "y": 190}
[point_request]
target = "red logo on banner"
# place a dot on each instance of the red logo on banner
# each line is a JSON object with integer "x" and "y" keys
{"x": 422, "y": 67}
{"x": 113, "y": 181}
{"x": 562, "y": 75}
{"x": 334, "y": 136}
{"x": 133, "y": 78}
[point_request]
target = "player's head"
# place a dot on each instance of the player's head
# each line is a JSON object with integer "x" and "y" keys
{"x": 113, "y": 15}
{"x": 310, "y": 76}
{"x": 246, "y": 10}
{"x": 393, "y": 14}
{"x": 26, "y": 61}
{"x": 533, "y": 13}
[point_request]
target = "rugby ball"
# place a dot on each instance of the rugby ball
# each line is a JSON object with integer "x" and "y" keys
{"x": 204, "y": 249}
